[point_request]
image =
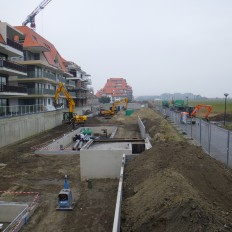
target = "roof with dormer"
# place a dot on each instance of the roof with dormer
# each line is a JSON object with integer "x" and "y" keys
{"x": 33, "y": 39}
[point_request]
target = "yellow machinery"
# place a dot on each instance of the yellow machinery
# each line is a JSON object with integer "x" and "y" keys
{"x": 112, "y": 109}
{"x": 126, "y": 103}
{"x": 68, "y": 117}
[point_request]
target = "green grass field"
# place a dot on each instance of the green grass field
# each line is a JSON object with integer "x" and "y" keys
{"x": 218, "y": 105}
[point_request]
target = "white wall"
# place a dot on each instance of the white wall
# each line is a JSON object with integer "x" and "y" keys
{"x": 97, "y": 164}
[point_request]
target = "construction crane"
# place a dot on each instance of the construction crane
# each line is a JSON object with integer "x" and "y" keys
{"x": 31, "y": 17}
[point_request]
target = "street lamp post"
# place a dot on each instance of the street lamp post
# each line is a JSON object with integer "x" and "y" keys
{"x": 187, "y": 101}
{"x": 226, "y": 95}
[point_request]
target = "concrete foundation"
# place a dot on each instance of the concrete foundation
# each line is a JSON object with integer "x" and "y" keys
{"x": 14, "y": 215}
{"x": 63, "y": 145}
{"x": 102, "y": 160}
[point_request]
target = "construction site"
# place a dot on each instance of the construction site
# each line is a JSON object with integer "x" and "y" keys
{"x": 169, "y": 184}
{"x": 72, "y": 160}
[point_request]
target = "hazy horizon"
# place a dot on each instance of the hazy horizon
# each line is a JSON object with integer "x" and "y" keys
{"x": 157, "y": 46}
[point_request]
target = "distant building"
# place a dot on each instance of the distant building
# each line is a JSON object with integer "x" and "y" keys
{"x": 116, "y": 89}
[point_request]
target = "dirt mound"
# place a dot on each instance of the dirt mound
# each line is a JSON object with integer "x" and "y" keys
{"x": 220, "y": 117}
{"x": 175, "y": 186}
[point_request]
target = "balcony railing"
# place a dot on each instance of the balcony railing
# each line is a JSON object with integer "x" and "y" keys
{"x": 42, "y": 75}
{"x": 14, "y": 44}
{"x": 52, "y": 92}
{"x": 81, "y": 95}
{"x": 14, "y": 66}
{"x": 12, "y": 89}
{"x": 71, "y": 83}
{"x": 17, "y": 110}
{"x": 41, "y": 91}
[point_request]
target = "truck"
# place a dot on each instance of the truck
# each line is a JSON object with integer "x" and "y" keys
{"x": 165, "y": 103}
{"x": 178, "y": 105}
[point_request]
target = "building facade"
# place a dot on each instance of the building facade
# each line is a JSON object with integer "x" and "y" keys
{"x": 10, "y": 48}
{"x": 82, "y": 82}
{"x": 116, "y": 89}
{"x": 33, "y": 66}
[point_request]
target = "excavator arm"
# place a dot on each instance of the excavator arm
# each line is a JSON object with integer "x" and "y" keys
{"x": 198, "y": 107}
{"x": 61, "y": 88}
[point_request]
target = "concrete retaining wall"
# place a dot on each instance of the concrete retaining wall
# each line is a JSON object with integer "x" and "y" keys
{"x": 96, "y": 164}
{"x": 15, "y": 129}
{"x": 142, "y": 128}
{"x": 18, "y": 128}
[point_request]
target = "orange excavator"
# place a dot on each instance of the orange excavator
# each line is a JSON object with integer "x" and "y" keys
{"x": 198, "y": 107}
{"x": 191, "y": 112}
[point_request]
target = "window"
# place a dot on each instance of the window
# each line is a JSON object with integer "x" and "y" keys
{"x": 3, "y": 102}
{"x": 37, "y": 56}
{"x": 49, "y": 101}
{"x": 3, "y": 80}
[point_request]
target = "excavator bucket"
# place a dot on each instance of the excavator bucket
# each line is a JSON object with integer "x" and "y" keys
{"x": 58, "y": 105}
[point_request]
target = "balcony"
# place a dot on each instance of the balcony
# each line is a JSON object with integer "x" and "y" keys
{"x": 87, "y": 80}
{"x": 72, "y": 83}
{"x": 51, "y": 92}
{"x": 35, "y": 91}
{"x": 32, "y": 74}
{"x": 9, "y": 90}
{"x": 81, "y": 95}
{"x": 15, "y": 45}
{"x": 11, "y": 68}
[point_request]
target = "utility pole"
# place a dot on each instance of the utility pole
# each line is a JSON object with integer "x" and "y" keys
{"x": 226, "y": 95}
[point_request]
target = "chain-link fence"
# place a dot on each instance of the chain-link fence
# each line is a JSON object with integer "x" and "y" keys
{"x": 216, "y": 141}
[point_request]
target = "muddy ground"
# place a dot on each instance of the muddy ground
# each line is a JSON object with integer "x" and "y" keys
{"x": 174, "y": 186}
{"x": 22, "y": 171}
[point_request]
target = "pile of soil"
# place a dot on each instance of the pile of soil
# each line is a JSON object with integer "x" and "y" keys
{"x": 175, "y": 186}
{"x": 220, "y": 117}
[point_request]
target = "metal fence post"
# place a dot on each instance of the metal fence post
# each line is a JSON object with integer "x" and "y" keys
{"x": 186, "y": 126}
{"x": 228, "y": 149}
{"x": 200, "y": 131}
{"x": 191, "y": 127}
{"x": 209, "y": 137}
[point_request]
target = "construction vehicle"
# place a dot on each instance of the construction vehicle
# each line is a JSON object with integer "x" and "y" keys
{"x": 198, "y": 107}
{"x": 31, "y": 17}
{"x": 191, "y": 112}
{"x": 178, "y": 105}
{"x": 111, "y": 112}
{"x": 65, "y": 200}
{"x": 68, "y": 117}
{"x": 165, "y": 103}
{"x": 107, "y": 113}
{"x": 125, "y": 100}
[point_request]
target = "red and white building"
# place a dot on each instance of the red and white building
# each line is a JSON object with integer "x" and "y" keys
{"x": 116, "y": 89}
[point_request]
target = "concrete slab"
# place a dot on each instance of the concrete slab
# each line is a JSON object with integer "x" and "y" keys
{"x": 13, "y": 215}
{"x": 63, "y": 145}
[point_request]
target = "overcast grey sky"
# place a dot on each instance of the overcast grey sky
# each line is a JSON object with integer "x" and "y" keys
{"x": 158, "y": 46}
